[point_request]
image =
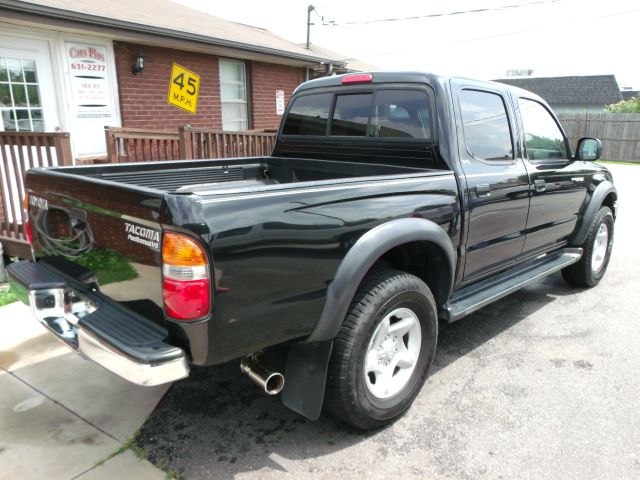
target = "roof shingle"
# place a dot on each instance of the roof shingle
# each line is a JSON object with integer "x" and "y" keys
{"x": 571, "y": 90}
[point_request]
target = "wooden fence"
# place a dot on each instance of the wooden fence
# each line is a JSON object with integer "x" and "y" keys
{"x": 138, "y": 145}
{"x": 204, "y": 143}
{"x": 20, "y": 151}
{"x": 135, "y": 145}
{"x": 619, "y": 132}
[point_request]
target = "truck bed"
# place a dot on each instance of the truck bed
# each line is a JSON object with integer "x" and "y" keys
{"x": 275, "y": 229}
{"x": 231, "y": 175}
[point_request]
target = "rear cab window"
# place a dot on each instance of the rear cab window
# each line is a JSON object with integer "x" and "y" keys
{"x": 309, "y": 115}
{"x": 385, "y": 113}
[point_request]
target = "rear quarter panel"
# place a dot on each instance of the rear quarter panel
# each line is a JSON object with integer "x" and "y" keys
{"x": 274, "y": 254}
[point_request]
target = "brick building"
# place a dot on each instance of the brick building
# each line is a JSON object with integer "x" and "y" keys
{"x": 80, "y": 66}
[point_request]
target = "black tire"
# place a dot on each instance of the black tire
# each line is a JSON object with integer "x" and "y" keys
{"x": 581, "y": 273}
{"x": 381, "y": 292}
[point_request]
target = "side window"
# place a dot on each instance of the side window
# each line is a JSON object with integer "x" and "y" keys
{"x": 486, "y": 125}
{"x": 543, "y": 140}
{"x": 401, "y": 114}
{"x": 351, "y": 115}
{"x": 233, "y": 95}
{"x": 20, "y": 105}
{"x": 309, "y": 115}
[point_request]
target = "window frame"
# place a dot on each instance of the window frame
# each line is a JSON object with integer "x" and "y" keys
{"x": 510, "y": 123}
{"x": 13, "y": 108}
{"x": 543, "y": 161}
{"x": 245, "y": 83}
{"x": 373, "y": 90}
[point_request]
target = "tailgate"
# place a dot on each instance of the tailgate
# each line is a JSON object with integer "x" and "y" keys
{"x": 113, "y": 230}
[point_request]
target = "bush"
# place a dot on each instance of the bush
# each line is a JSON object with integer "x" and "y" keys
{"x": 7, "y": 296}
{"x": 625, "y": 106}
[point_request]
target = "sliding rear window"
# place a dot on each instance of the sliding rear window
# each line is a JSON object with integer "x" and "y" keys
{"x": 309, "y": 115}
{"x": 386, "y": 113}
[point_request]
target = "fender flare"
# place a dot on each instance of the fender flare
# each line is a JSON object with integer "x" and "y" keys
{"x": 363, "y": 255}
{"x": 597, "y": 199}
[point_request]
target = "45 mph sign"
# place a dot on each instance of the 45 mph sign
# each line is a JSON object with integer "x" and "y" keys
{"x": 183, "y": 90}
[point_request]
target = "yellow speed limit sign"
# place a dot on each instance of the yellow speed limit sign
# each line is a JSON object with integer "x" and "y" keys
{"x": 183, "y": 90}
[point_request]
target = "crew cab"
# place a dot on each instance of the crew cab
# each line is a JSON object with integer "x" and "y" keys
{"x": 392, "y": 204}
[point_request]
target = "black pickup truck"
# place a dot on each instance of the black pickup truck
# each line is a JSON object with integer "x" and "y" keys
{"x": 392, "y": 203}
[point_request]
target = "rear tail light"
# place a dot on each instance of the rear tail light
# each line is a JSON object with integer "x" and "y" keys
{"x": 27, "y": 225}
{"x": 186, "y": 286}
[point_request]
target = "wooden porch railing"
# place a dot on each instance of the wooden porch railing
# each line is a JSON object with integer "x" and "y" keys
{"x": 20, "y": 151}
{"x": 136, "y": 145}
{"x": 140, "y": 145}
{"x": 204, "y": 143}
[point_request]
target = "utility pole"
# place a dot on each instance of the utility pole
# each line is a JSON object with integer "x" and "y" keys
{"x": 310, "y": 9}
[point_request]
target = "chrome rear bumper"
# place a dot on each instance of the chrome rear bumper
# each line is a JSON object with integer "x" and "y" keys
{"x": 132, "y": 347}
{"x": 147, "y": 374}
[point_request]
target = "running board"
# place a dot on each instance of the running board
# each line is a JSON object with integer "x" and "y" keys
{"x": 478, "y": 295}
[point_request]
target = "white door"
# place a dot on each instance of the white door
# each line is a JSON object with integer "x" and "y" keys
{"x": 89, "y": 76}
{"x": 27, "y": 89}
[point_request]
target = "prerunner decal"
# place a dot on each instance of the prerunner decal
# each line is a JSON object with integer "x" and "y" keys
{"x": 142, "y": 235}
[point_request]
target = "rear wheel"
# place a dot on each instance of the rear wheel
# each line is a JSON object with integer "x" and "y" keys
{"x": 383, "y": 351}
{"x": 596, "y": 252}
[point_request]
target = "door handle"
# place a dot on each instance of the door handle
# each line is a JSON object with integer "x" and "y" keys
{"x": 483, "y": 190}
{"x": 540, "y": 185}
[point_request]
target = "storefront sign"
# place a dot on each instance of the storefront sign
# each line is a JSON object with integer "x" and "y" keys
{"x": 279, "y": 102}
{"x": 90, "y": 87}
{"x": 183, "y": 89}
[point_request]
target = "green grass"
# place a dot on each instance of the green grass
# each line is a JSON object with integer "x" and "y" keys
{"x": 108, "y": 265}
{"x": 172, "y": 475}
{"x": 7, "y": 296}
{"x": 140, "y": 453}
{"x": 128, "y": 445}
{"x": 615, "y": 162}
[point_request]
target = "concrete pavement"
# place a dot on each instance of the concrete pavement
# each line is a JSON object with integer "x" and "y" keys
{"x": 62, "y": 417}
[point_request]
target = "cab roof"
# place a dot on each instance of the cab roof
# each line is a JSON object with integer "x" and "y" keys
{"x": 408, "y": 77}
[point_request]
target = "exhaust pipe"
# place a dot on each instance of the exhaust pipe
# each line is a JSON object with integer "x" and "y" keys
{"x": 271, "y": 382}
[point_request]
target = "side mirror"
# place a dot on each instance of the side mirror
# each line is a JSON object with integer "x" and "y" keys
{"x": 589, "y": 149}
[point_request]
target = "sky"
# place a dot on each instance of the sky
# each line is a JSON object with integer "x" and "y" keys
{"x": 551, "y": 37}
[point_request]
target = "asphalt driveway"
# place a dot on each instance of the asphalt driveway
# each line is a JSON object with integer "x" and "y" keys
{"x": 542, "y": 384}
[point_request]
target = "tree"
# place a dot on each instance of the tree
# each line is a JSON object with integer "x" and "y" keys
{"x": 626, "y": 106}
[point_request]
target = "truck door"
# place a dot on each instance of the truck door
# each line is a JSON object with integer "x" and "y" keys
{"x": 558, "y": 184}
{"x": 497, "y": 185}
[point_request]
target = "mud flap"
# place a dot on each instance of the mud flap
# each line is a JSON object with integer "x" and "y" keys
{"x": 306, "y": 375}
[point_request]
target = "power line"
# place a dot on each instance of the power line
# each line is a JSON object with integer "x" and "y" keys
{"x": 436, "y": 15}
{"x": 506, "y": 34}
{"x": 325, "y": 23}
{"x": 518, "y": 32}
